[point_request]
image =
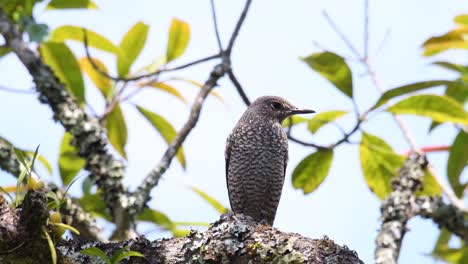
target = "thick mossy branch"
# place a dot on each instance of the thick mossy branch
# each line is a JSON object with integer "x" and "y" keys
{"x": 73, "y": 213}
{"x": 232, "y": 239}
{"x": 20, "y": 230}
{"x": 88, "y": 135}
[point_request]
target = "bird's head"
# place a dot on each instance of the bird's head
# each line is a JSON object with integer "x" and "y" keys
{"x": 276, "y": 108}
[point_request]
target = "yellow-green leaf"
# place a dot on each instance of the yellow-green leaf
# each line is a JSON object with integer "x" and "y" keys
{"x": 179, "y": 36}
{"x": 165, "y": 129}
{"x": 455, "y": 39}
{"x": 199, "y": 85}
{"x": 4, "y": 50}
{"x": 312, "y": 170}
{"x": 117, "y": 130}
{"x": 69, "y": 161}
{"x": 379, "y": 163}
{"x": 156, "y": 217}
{"x": 462, "y": 20}
{"x": 212, "y": 201}
{"x": 323, "y": 118}
{"x": 130, "y": 47}
{"x": 60, "y": 58}
{"x": 41, "y": 159}
{"x": 68, "y": 32}
{"x": 66, "y": 4}
{"x": 96, "y": 252}
{"x": 439, "y": 108}
{"x": 334, "y": 68}
{"x": 295, "y": 121}
{"x": 405, "y": 89}
{"x": 94, "y": 204}
{"x": 457, "y": 161}
{"x": 430, "y": 186}
{"x": 168, "y": 89}
{"x": 102, "y": 83}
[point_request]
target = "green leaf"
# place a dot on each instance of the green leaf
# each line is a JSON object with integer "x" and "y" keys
{"x": 165, "y": 129}
{"x": 457, "y": 161}
{"x": 295, "y": 120}
{"x": 69, "y": 161}
{"x": 102, "y": 83}
{"x": 60, "y": 58}
{"x": 94, "y": 204}
{"x": 117, "y": 130}
{"x": 156, "y": 217}
{"x": 68, "y": 32}
{"x": 405, "y": 89}
{"x": 334, "y": 68}
{"x": 4, "y": 191}
{"x": 123, "y": 253}
{"x": 457, "y": 91}
{"x": 50, "y": 243}
{"x": 96, "y": 252}
{"x": 312, "y": 170}
{"x": 42, "y": 160}
{"x": 379, "y": 163}
{"x": 4, "y": 50}
{"x": 461, "y": 20}
{"x": 179, "y": 36}
{"x": 205, "y": 224}
{"x": 69, "y": 227}
{"x": 455, "y": 39}
{"x": 130, "y": 47}
{"x": 430, "y": 186}
{"x": 66, "y": 4}
{"x": 180, "y": 232}
{"x": 212, "y": 201}
{"x": 452, "y": 66}
{"x": 439, "y": 108}
{"x": 324, "y": 118}
{"x": 168, "y": 89}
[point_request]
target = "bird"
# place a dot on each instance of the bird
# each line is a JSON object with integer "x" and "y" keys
{"x": 256, "y": 157}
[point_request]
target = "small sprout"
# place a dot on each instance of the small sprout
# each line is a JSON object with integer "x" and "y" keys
{"x": 117, "y": 257}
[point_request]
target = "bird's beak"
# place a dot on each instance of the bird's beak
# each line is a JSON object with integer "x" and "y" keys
{"x": 299, "y": 111}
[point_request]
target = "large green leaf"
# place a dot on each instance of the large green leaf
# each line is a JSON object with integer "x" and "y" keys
{"x": 102, "y": 83}
{"x": 458, "y": 91}
{"x": 130, "y": 47}
{"x": 65, "y": 4}
{"x": 94, "y": 204}
{"x": 179, "y": 36}
{"x": 405, "y": 89}
{"x": 69, "y": 161}
{"x": 379, "y": 163}
{"x": 439, "y": 108}
{"x": 60, "y": 58}
{"x": 156, "y": 217}
{"x": 117, "y": 130}
{"x": 323, "y": 118}
{"x": 430, "y": 186}
{"x": 457, "y": 161}
{"x": 164, "y": 128}
{"x": 212, "y": 201}
{"x": 68, "y": 32}
{"x": 168, "y": 89}
{"x": 334, "y": 68}
{"x": 312, "y": 170}
{"x": 455, "y": 39}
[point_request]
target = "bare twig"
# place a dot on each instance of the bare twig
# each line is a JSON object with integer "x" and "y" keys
{"x": 238, "y": 86}
{"x": 16, "y": 91}
{"x": 237, "y": 28}
{"x": 142, "y": 193}
{"x": 139, "y": 77}
{"x": 215, "y": 22}
{"x": 341, "y": 34}
{"x": 366, "y": 29}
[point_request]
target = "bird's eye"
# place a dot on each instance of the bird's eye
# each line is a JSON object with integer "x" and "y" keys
{"x": 276, "y": 105}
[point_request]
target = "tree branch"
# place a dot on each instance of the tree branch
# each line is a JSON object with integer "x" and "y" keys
{"x": 238, "y": 86}
{"x": 232, "y": 239}
{"x": 88, "y": 135}
{"x": 215, "y": 23}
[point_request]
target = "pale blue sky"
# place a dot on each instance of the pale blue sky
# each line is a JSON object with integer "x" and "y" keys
{"x": 266, "y": 62}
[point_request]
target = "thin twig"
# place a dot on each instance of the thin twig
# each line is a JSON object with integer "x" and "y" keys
{"x": 366, "y": 29}
{"x": 16, "y": 91}
{"x": 238, "y": 27}
{"x": 215, "y": 22}
{"x": 341, "y": 34}
{"x": 139, "y": 77}
{"x": 238, "y": 86}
